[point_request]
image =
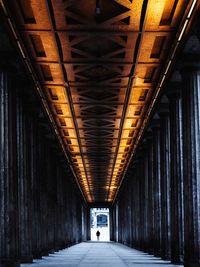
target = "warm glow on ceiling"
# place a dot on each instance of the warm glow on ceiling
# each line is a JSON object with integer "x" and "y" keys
{"x": 99, "y": 74}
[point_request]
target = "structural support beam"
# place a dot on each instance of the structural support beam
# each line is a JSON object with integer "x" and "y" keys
{"x": 176, "y": 173}
{"x": 191, "y": 171}
{"x": 165, "y": 180}
{"x": 156, "y": 187}
{"x": 8, "y": 183}
{"x": 150, "y": 193}
{"x": 24, "y": 184}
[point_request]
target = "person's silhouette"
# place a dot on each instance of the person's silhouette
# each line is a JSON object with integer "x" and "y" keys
{"x": 98, "y": 234}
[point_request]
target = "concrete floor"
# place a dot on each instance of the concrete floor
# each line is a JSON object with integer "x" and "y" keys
{"x": 95, "y": 254}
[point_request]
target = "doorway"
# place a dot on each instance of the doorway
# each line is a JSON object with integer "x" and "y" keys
{"x": 100, "y": 222}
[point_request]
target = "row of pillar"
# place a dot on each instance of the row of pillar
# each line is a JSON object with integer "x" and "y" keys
{"x": 158, "y": 209}
{"x": 41, "y": 210}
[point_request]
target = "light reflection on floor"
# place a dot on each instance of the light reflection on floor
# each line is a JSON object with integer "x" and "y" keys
{"x": 100, "y": 254}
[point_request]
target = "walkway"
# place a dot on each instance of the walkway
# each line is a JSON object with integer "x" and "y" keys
{"x": 94, "y": 254}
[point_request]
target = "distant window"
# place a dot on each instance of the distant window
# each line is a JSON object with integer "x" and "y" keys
{"x": 102, "y": 220}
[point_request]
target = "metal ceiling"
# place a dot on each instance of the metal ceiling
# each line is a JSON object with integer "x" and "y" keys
{"x": 99, "y": 64}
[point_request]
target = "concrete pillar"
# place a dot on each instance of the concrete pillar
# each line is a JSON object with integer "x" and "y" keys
{"x": 88, "y": 223}
{"x": 156, "y": 187}
{"x": 117, "y": 221}
{"x": 146, "y": 194}
{"x": 165, "y": 179}
{"x": 35, "y": 194}
{"x": 131, "y": 186}
{"x": 112, "y": 223}
{"x": 176, "y": 173}
{"x": 45, "y": 204}
{"x": 151, "y": 226}
{"x": 191, "y": 167}
{"x": 136, "y": 206}
{"x": 24, "y": 184}
{"x": 141, "y": 199}
{"x": 9, "y": 250}
{"x": 130, "y": 213}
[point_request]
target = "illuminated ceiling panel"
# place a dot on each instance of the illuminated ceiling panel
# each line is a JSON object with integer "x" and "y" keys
{"x": 99, "y": 64}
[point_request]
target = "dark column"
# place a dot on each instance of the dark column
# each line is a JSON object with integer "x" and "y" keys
{"x": 24, "y": 183}
{"x": 125, "y": 214}
{"x": 145, "y": 166}
{"x": 44, "y": 188}
{"x": 88, "y": 223}
{"x": 176, "y": 173}
{"x": 165, "y": 179}
{"x": 191, "y": 156}
{"x": 156, "y": 187}
{"x": 117, "y": 221}
{"x": 150, "y": 208}
{"x": 141, "y": 199}
{"x": 8, "y": 183}
{"x": 130, "y": 212}
{"x": 136, "y": 206}
{"x": 60, "y": 211}
{"x": 121, "y": 218}
{"x": 146, "y": 194}
{"x": 112, "y": 223}
{"x": 36, "y": 198}
{"x": 131, "y": 186}
{"x": 139, "y": 202}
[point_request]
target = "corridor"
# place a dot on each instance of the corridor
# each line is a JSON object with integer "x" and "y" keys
{"x": 93, "y": 254}
{"x": 99, "y": 111}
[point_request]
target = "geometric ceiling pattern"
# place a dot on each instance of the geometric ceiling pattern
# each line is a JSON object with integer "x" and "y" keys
{"x": 98, "y": 63}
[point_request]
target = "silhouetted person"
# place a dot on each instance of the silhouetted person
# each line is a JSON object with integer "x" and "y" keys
{"x": 98, "y": 234}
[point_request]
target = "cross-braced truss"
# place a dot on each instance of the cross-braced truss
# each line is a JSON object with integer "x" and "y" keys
{"x": 98, "y": 62}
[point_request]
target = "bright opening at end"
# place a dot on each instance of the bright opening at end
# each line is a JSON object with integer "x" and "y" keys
{"x": 100, "y": 224}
